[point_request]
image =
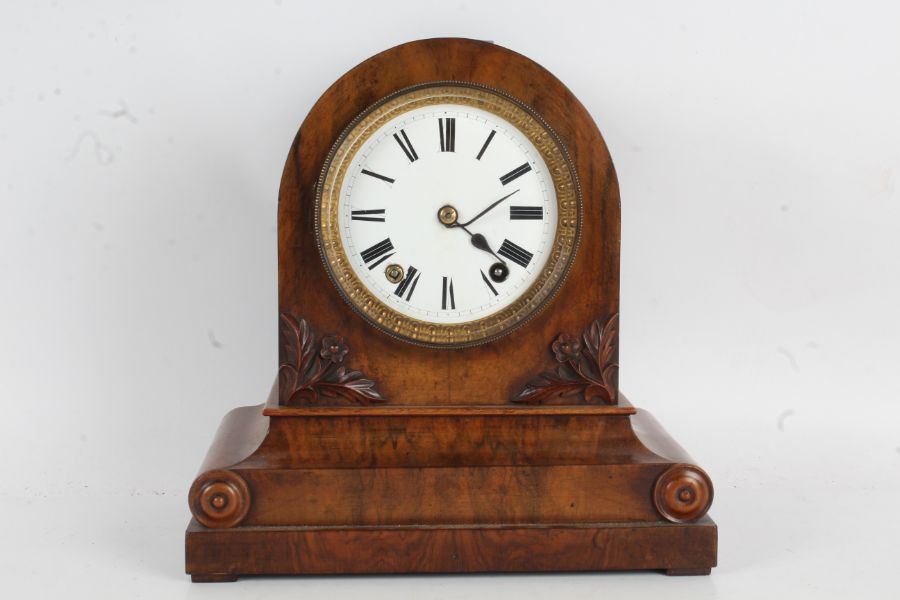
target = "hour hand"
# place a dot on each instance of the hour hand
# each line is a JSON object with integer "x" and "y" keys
{"x": 447, "y": 215}
{"x": 479, "y": 241}
{"x": 499, "y": 271}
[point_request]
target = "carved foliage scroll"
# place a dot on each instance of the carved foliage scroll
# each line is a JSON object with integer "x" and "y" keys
{"x": 587, "y": 372}
{"x": 311, "y": 373}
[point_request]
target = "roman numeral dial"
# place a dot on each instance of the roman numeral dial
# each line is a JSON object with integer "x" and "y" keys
{"x": 445, "y": 215}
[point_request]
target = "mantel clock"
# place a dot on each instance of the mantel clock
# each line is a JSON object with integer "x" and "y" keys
{"x": 447, "y": 395}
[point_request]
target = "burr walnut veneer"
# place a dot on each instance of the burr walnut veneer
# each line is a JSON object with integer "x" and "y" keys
{"x": 373, "y": 454}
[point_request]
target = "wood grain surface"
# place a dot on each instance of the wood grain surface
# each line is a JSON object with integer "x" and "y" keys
{"x": 495, "y": 372}
{"x": 223, "y": 554}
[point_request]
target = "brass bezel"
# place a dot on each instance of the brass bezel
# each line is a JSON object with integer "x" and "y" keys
{"x": 530, "y": 302}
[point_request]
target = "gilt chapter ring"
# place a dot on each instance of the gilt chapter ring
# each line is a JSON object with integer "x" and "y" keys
{"x": 683, "y": 493}
{"x": 369, "y": 305}
{"x": 220, "y": 499}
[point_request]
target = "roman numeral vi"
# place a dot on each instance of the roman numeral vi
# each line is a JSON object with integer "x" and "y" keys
{"x": 448, "y": 294}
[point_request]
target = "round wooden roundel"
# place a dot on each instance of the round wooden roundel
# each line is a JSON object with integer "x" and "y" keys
{"x": 447, "y": 194}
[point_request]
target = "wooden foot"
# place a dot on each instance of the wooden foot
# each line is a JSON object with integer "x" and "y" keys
{"x": 679, "y": 572}
{"x": 212, "y": 577}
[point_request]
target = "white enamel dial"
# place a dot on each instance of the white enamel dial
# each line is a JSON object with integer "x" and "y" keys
{"x": 457, "y": 156}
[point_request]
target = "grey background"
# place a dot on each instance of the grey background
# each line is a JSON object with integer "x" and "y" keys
{"x": 758, "y": 151}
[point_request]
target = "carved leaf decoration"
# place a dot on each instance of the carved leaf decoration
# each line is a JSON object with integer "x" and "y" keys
{"x": 589, "y": 369}
{"x": 566, "y": 372}
{"x": 307, "y": 353}
{"x": 309, "y": 372}
{"x": 359, "y": 389}
{"x": 592, "y": 337}
{"x": 290, "y": 348}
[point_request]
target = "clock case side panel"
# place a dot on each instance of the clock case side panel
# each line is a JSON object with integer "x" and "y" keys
{"x": 495, "y": 372}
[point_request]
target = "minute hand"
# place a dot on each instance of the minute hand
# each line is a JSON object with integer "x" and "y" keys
{"x": 485, "y": 211}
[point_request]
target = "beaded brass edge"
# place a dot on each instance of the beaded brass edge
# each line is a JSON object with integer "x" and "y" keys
{"x": 470, "y": 333}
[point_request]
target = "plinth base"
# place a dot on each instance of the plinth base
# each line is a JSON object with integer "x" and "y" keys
{"x": 447, "y": 490}
{"x": 225, "y": 554}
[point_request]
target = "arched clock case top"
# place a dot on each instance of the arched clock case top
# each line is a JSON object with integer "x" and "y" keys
{"x": 489, "y": 373}
{"x": 387, "y": 450}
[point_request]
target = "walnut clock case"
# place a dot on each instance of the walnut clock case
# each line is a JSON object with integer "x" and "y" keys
{"x": 447, "y": 396}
